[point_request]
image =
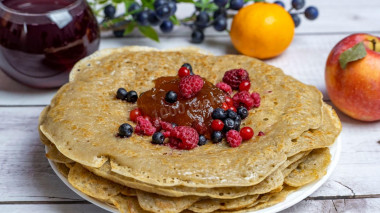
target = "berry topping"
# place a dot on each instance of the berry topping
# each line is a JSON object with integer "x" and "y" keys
{"x": 132, "y": 96}
{"x": 246, "y": 133}
{"x": 190, "y": 85}
{"x": 242, "y": 111}
{"x": 158, "y": 138}
{"x": 229, "y": 101}
{"x": 243, "y": 98}
{"x": 261, "y": 133}
{"x": 125, "y": 130}
{"x": 134, "y": 114}
{"x": 219, "y": 113}
{"x": 225, "y": 106}
{"x": 144, "y": 126}
{"x": 166, "y": 126}
{"x": 183, "y": 137}
{"x": 166, "y": 134}
{"x": 232, "y": 108}
{"x": 217, "y": 125}
{"x": 231, "y": 114}
{"x": 225, "y": 87}
{"x": 147, "y": 118}
{"x": 256, "y": 99}
{"x": 200, "y": 127}
{"x": 244, "y": 86}
{"x": 235, "y": 77}
{"x": 229, "y": 124}
{"x": 237, "y": 123}
{"x": 183, "y": 71}
{"x": 202, "y": 140}
{"x": 233, "y": 138}
{"x": 156, "y": 122}
{"x": 188, "y": 66}
{"x": 121, "y": 94}
{"x": 171, "y": 97}
{"x": 216, "y": 136}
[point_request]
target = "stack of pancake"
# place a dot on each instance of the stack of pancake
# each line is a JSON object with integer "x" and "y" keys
{"x": 80, "y": 128}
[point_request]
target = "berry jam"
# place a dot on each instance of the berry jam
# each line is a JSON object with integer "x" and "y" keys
{"x": 183, "y": 112}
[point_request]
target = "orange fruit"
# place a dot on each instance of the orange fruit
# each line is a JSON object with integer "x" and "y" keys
{"x": 262, "y": 30}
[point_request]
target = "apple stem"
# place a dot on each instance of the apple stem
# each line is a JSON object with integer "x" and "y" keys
{"x": 373, "y": 41}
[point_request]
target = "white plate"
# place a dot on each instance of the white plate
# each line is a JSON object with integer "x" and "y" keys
{"x": 290, "y": 200}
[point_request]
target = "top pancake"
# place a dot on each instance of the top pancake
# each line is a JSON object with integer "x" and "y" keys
{"x": 83, "y": 119}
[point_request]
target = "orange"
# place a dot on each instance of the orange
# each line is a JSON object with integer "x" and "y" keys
{"x": 262, "y": 30}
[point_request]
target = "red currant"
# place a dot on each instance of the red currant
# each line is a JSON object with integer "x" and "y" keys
{"x": 183, "y": 71}
{"x": 229, "y": 101}
{"x": 232, "y": 108}
{"x": 261, "y": 133}
{"x": 134, "y": 114}
{"x": 217, "y": 125}
{"x": 246, "y": 133}
{"x": 225, "y": 106}
{"x": 244, "y": 85}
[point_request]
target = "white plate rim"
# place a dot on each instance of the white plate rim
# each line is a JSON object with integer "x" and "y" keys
{"x": 292, "y": 199}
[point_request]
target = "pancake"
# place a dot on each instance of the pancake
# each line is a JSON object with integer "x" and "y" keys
{"x": 84, "y": 116}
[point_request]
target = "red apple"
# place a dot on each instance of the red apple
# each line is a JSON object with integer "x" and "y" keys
{"x": 355, "y": 89}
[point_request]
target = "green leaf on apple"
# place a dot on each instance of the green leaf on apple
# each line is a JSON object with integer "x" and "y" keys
{"x": 353, "y": 54}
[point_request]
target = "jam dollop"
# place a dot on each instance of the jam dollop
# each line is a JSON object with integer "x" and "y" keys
{"x": 183, "y": 112}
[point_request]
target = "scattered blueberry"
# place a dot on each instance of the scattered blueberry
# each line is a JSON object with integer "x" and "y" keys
{"x": 188, "y": 66}
{"x": 121, "y": 94}
{"x": 153, "y": 19}
{"x": 132, "y": 96}
{"x": 280, "y": 3}
{"x": 171, "y": 97}
{"x": 229, "y": 124}
{"x": 163, "y": 12}
{"x": 220, "y": 24}
{"x": 197, "y": 36}
{"x": 134, "y": 7}
{"x": 125, "y": 130}
{"x": 231, "y": 114}
{"x": 237, "y": 123}
{"x": 298, "y": 4}
{"x": 202, "y": 140}
{"x": 311, "y": 13}
{"x": 296, "y": 19}
{"x": 221, "y": 3}
{"x": 158, "y": 138}
{"x": 142, "y": 18}
{"x": 242, "y": 112}
{"x": 220, "y": 12}
{"x": 202, "y": 20}
{"x": 166, "y": 26}
{"x": 172, "y": 7}
{"x": 236, "y": 4}
{"x": 216, "y": 136}
{"x": 110, "y": 11}
{"x": 159, "y": 3}
{"x": 219, "y": 113}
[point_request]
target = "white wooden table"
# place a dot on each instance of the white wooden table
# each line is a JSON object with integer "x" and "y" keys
{"x": 28, "y": 184}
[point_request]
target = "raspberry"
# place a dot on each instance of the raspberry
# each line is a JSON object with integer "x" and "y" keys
{"x": 144, "y": 126}
{"x": 156, "y": 122}
{"x": 166, "y": 126}
{"x": 225, "y": 87}
{"x": 190, "y": 85}
{"x": 256, "y": 99}
{"x": 166, "y": 134}
{"x": 235, "y": 77}
{"x": 183, "y": 137}
{"x": 243, "y": 98}
{"x": 199, "y": 127}
{"x": 233, "y": 138}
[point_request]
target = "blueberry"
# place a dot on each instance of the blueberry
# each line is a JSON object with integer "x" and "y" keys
{"x": 229, "y": 124}
{"x": 220, "y": 24}
{"x": 118, "y": 33}
{"x": 197, "y": 36}
{"x": 159, "y": 3}
{"x": 280, "y": 3}
{"x": 121, "y": 94}
{"x": 134, "y": 7}
{"x": 237, "y": 123}
{"x": 219, "y": 113}
{"x": 298, "y": 4}
{"x": 132, "y": 96}
{"x": 166, "y": 26}
{"x": 142, "y": 18}
{"x": 242, "y": 112}
{"x": 188, "y": 66}
{"x": 153, "y": 19}
{"x": 125, "y": 130}
{"x": 221, "y": 3}
{"x": 202, "y": 140}
{"x": 174, "y": 125}
{"x": 158, "y": 138}
{"x": 216, "y": 136}
{"x": 236, "y": 4}
{"x": 311, "y": 13}
{"x": 220, "y": 12}
{"x": 172, "y": 7}
{"x": 202, "y": 20}
{"x": 110, "y": 11}
{"x": 296, "y": 19}
{"x": 163, "y": 12}
{"x": 171, "y": 97}
{"x": 231, "y": 114}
